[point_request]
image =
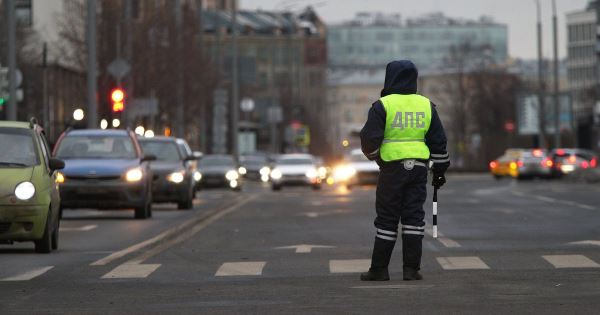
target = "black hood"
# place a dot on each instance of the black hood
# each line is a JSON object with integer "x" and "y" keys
{"x": 400, "y": 78}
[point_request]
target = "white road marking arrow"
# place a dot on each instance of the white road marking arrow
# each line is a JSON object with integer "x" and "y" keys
{"x": 304, "y": 248}
{"x": 82, "y": 228}
{"x": 586, "y": 242}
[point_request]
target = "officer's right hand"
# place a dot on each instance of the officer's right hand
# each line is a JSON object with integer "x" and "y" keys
{"x": 438, "y": 180}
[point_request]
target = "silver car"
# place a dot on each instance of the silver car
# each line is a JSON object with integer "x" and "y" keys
{"x": 295, "y": 170}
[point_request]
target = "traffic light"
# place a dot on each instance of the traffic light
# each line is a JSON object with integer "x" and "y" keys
{"x": 118, "y": 100}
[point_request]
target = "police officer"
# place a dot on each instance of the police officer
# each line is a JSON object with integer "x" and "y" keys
{"x": 403, "y": 133}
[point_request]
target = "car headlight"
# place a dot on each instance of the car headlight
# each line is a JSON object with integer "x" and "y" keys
{"x": 232, "y": 175}
{"x": 176, "y": 177}
{"x": 134, "y": 175}
{"x": 276, "y": 174}
{"x": 197, "y": 176}
{"x": 242, "y": 170}
{"x": 60, "y": 178}
{"x": 322, "y": 171}
{"x": 24, "y": 191}
{"x": 344, "y": 172}
{"x": 311, "y": 173}
{"x": 265, "y": 171}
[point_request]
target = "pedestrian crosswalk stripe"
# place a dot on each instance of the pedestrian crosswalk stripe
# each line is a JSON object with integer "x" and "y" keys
{"x": 349, "y": 265}
{"x": 29, "y": 274}
{"x": 459, "y": 263}
{"x": 248, "y": 268}
{"x": 130, "y": 270}
{"x": 570, "y": 261}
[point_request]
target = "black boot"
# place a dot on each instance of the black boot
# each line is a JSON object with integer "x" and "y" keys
{"x": 412, "y": 249}
{"x": 382, "y": 252}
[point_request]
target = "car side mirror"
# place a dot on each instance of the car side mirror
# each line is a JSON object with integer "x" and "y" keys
{"x": 56, "y": 164}
{"x": 148, "y": 158}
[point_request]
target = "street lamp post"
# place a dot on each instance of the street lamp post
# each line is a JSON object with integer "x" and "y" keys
{"x": 234, "y": 83}
{"x": 541, "y": 112}
{"x": 556, "y": 100}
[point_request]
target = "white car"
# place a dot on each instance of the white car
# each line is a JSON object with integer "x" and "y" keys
{"x": 357, "y": 170}
{"x": 295, "y": 170}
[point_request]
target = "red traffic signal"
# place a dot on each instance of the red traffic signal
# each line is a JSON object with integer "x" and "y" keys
{"x": 118, "y": 100}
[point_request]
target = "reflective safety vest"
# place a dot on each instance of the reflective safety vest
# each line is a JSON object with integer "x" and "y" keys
{"x": 408, "y": 118}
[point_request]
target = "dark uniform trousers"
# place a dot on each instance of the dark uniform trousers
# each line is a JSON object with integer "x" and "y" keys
{"x": 401, "y": 193}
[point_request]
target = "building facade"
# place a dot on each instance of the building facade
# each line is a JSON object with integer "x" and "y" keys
{"x": 372, "y": 40}
{"x": 582, "y": 73}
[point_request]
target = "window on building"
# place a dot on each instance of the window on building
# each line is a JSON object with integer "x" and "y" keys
{"x": 384, "y": 36}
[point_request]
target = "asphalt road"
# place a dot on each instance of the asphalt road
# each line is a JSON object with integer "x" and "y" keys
{"x": 506, "y": 246}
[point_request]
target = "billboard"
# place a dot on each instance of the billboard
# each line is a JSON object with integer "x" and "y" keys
{"x": 528, "y": 114}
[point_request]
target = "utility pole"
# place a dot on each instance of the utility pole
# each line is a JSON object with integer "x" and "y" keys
{"x": 203, "y": 116}
{"x": 542, "y": 112}
{"x": 46, "y": 118}
{"x": 179, "y": 114}
{"x": 556, "y": 96}
{"x": 11, "y": 113}
{"x": 234, "y": 83}
{"x": 128, "y": 84}
{"x": 92, "y": 108}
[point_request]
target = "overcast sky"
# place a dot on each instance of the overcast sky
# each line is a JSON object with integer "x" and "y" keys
{"x": 520, "y": 15}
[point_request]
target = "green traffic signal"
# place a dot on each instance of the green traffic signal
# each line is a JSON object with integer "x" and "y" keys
{"x": 2, "y": 101}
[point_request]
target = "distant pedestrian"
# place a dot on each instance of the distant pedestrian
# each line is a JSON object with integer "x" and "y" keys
{"x": 403, "y": 133}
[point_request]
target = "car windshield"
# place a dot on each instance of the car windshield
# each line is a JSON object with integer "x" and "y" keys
{"x": 18, "y": 148}
{"x": 294, "y": 161}
{"x": 253, "y": 162}
{"x": 217, "y": 161}
{"x": 96, "y": 147}
{"x": 163, "y": 150}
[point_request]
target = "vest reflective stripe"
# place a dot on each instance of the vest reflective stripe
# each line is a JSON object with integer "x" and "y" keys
{"x": 408, "y": 118}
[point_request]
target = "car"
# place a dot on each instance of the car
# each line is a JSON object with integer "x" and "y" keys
{"x": 105, "y": 169}
{"x": 173, "y": 171}
{"x": 566, "y": 161}
{"x": 522, "y": 163}
{"x": 255, "y": 167}
{"x": 29, "y": 194}
{"x": 357, "y": 170}
{"x": 295, "y": 169}
{"x": 219, "y": 170}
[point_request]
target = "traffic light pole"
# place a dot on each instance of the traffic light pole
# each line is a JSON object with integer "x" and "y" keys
{"x": 556, "y": 100}
{"x": 11, "y": 113}
{"x": 179, "y": 111}
{"x": 235, "y": 104}
{"x": 541, "y": 96}
{"x": 92, "y": 107}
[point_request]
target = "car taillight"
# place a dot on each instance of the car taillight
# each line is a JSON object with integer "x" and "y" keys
{"x": 585, "y": 164}
{"x": 572, "y": 159}
{"x": 593, "y": 163}
{"x": 493, "y": 164}
{"x": 537, "y": 152}
{"x": 547, "y": 162}
{"x": 520, "y": 163}
{"x": 560, "y": 152}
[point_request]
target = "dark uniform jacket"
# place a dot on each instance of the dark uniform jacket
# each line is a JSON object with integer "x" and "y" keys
{"x": 401, "y": 78}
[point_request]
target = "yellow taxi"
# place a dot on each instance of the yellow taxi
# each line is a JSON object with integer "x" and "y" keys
{"x": 522, "y": 163}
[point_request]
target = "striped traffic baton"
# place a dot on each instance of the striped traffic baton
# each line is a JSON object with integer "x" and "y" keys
{"x": 435, "y": 211}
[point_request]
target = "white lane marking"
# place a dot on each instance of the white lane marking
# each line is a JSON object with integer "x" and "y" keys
{"x": 582, "y": 206}
{"x": 395, "y": 287}
{"x": 128, "y": 271}
{"x": 570, "y": 261}
{"x": 304, "y": 248}
{"x": 460, "y": 263}
{"x": 586, "y": 242}
{"x": 84, "y": 228}
{"x": 546, "y": 199}
{"x": 185, "y": 226}
{"x": 518, "y": 193}
{"x": 349, "y": 265}
{"x": 447, "y": 242}
{"x": 247, "y": 268}
{"x": 312, "y": 214}
{"x": 29, "y": 275}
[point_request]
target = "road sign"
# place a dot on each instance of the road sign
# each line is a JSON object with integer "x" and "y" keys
{"x": 119, "y": 68}
{"x": 246, "y": 142}
{"x": 247, "y": 104}
{"x": 528, "y": 114}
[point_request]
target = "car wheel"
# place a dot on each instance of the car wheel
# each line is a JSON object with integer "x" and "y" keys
{"x": 316, "y": 187}
{"x": 44, "y": 245}
{"x": 497, "y": 177}
{"x": 276, "y": 187}
{"x": 188, "y": 201}
{"x": 145, "y": 211}
{"x": 55, "y": 235}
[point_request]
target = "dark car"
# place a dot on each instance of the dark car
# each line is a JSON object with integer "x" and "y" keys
{"x": 105, "y": 169}
{"x": 255, "y": 167}
{"x": 219, "y": 171}
{"x": 566, "y": 161}
{"x": 173, "y": 171}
